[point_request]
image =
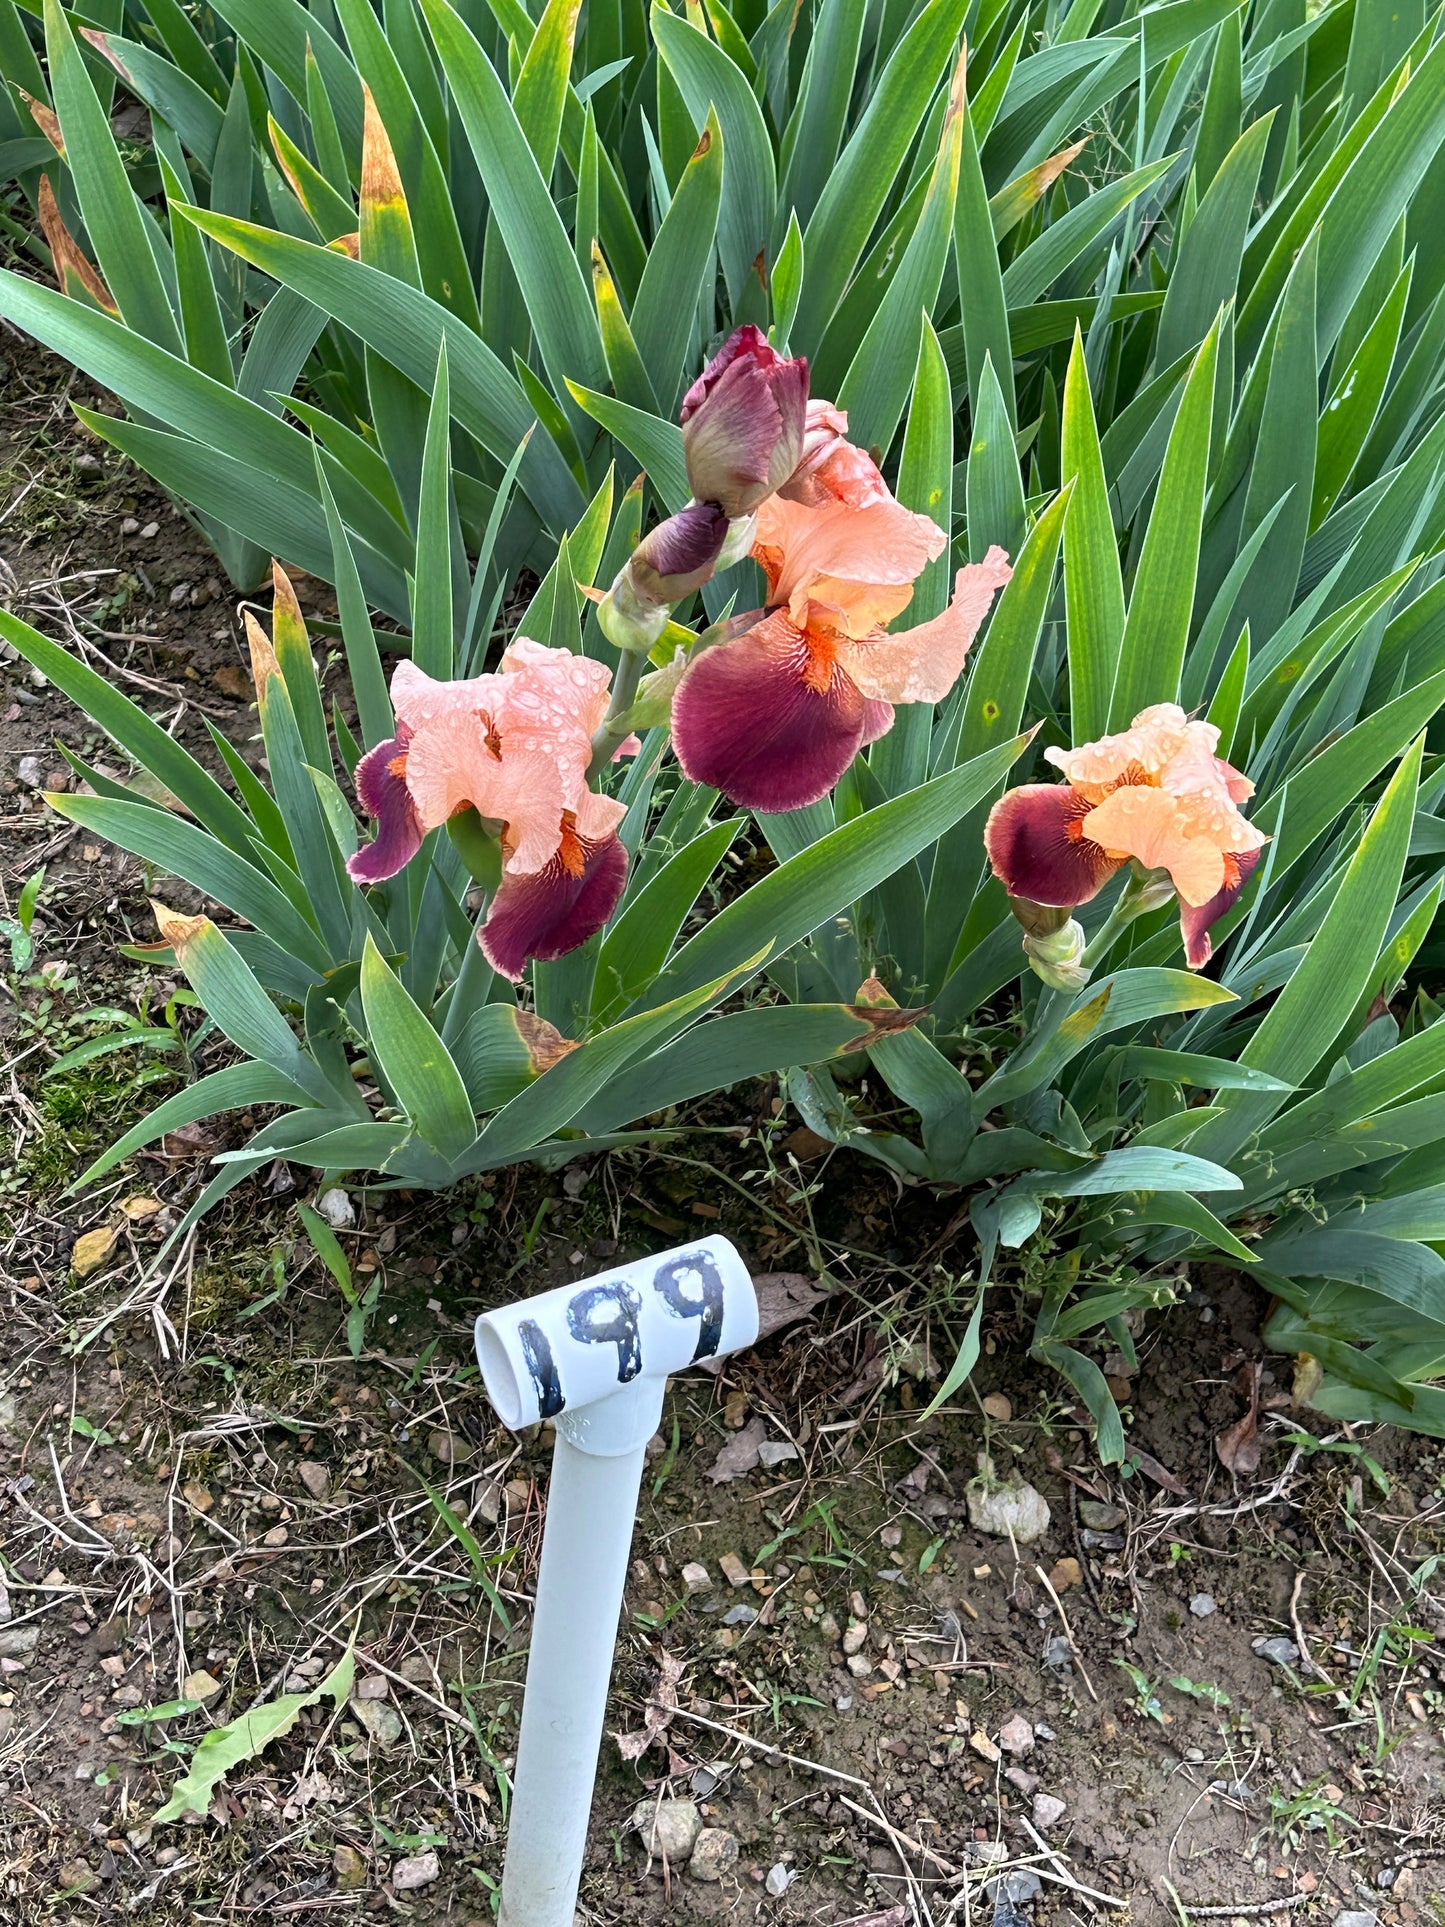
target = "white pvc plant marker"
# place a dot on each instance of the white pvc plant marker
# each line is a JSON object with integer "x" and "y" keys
{"x": 595, "y": 1357}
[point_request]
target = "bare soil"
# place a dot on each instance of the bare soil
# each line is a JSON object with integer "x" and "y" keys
{"x": 197, "y": 1477}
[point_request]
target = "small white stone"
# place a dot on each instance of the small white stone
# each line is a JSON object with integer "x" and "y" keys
{"x": 1048, "y": 1810}
{"x": 417, "y": 1870}
{"x": 382, "y": 1722}
{"x": 340, "y": 1213}
{"x": 779, "y": 1879}
{"x": 696, "y": 1577}
{"x": 1016, "y": 1736}
{"x": 1006, "y": 1507}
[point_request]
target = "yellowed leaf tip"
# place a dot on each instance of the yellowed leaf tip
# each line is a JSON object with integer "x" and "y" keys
{"x": 70, "y": 264}
{"x": 544, "y": 1043}
{"x": 380, "y": 181}
{"x": 263, "y": 657}
{"x": 284, "y": 160}
{"x": 176, "y": 929}
{"x": 47, "y": 121}
{"x": 285, "y": 608}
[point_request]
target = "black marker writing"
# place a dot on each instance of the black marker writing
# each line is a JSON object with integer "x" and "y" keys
{"x": 691, "y": 1287}
{"x": 541, "y": 1365}
{"x": 607, "y": 1315}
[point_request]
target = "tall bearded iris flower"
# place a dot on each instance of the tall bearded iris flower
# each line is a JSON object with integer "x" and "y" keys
{"x": 514, "y": 747}
{"x": 1155, "y": 795}
{"x": 773, "y": 716}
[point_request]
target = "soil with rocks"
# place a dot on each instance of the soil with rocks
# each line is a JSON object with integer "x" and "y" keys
{"x": 1198, "y": 1694}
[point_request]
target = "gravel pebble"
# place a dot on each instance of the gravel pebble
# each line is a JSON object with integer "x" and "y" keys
{"x": 417, "y": 1870}
{"x": 1282, "y": 1651}
{"x": 714, "y": 1856}
{"x": 669, "y": 1828}
{"x": 1048, "y": 1810}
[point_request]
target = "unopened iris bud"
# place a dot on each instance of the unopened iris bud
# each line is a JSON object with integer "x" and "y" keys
{"x": 1146, "y": 890}
{"x": 1053, "y": 943}
{"x": 670, "y": 561}
{"x": 680, "y": 554}
{"x": 742, "y": 423}
{"x": 1058, "y": 959}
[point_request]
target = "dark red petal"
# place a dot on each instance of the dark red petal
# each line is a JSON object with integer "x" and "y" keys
{"x": 790, "y": 392}
{"x": 1196, "y": 920}
{"x": 1036, "y": 850}
{"x": 746, "y": 720}
{"x": 382, "y": 792}
{"x": 742, "y": 423}
{"x": 552, "y": 911}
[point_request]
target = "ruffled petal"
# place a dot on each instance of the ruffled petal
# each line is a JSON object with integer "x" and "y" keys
{"x": 1158, "y": 831}
{"x": 1196, "y": 920}
{"x": 921, "y": 665}
{"x": 1207, "y": 791}
{"x": 1235, "y": 781}
{"x": 453, "y": 763}
{"x": 553, "y": 910}
{"x": 769, "y": 719}
{"x": 551, "y": 701}
{"x": 528, "y": 797}
{"x": 418, "y": 698}
{"x": 831, "y": 468}
{"x": 1137, "y": 754}
{"x": 1035, "y": 843}
{"x": 597, "y": 816}
{"x": 858, "y": 562}
{"x": 381, "y": 788}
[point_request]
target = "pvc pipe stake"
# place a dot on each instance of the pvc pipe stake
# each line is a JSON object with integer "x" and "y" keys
{"x": 595, "y": 1357}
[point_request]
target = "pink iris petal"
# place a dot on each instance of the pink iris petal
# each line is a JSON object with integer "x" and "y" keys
{"x": 452, "y": 764}
{"x": 921, "y": 665}
{"x": 1237, "y": 784}
{"x": 1152, "y": 741}
{"x": 859, "y": 562}
{"x": 1037, "y": 851}
{"x": 1196, "y": 920}
{"x": 832, "y": 469}
{"x": 551, "y": 701}
{"x": 382, "y": 790}
{"x": 767, "y": 719}
{"x": 418, "y": 698}
{"x": 548, "y": 912}
{"x": 1158, "y": 830}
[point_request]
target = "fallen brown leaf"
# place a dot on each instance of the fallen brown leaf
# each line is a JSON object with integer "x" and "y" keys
{"x": 740, "y": 1455}
{"x": 659, "y": 1711}
{"x": 1239, "y": 1448}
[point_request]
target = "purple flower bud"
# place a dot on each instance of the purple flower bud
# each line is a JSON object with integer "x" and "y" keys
{"x": 742, "y": 423}
{"x": 680, "y": 554}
